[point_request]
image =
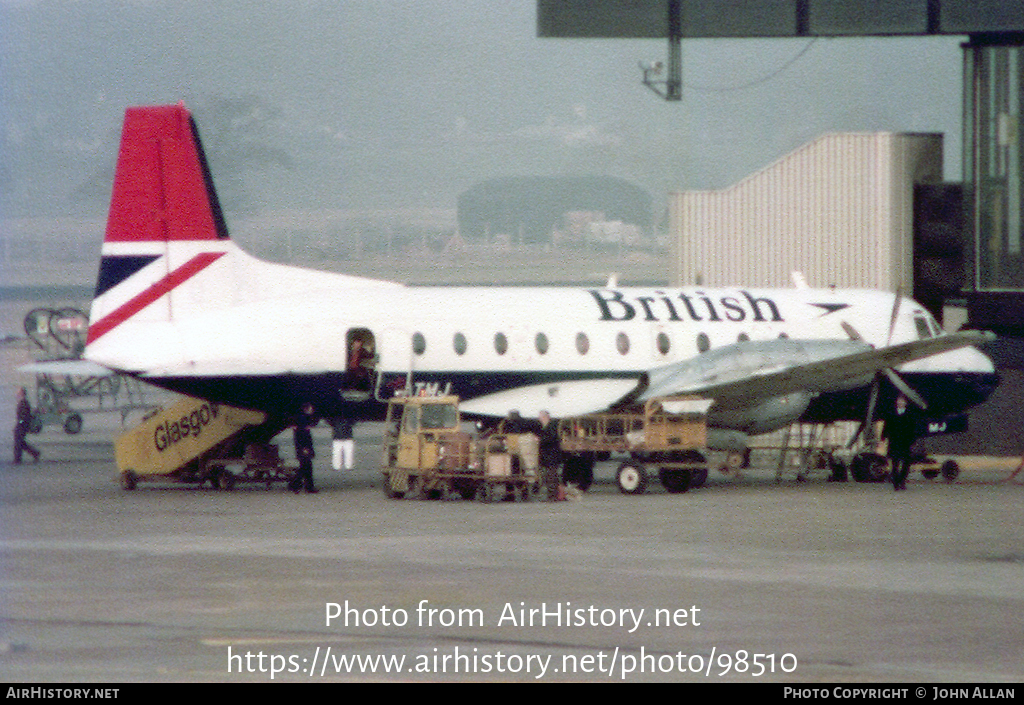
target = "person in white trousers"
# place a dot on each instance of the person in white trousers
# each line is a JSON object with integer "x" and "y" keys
{"x": 343, "y": 446}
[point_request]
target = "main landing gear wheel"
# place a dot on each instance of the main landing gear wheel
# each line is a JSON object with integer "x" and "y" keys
{"x": 631, "y": 478}
{"x": 838, "y": 468}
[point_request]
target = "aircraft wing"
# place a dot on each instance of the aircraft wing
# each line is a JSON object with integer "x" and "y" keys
{"x": 560, "y": 399}
{"x": 841, "y": 371}
{"x": 73, "y": 368}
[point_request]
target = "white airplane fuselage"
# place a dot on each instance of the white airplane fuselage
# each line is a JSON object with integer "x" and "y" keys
{"x": 268, "y": 336}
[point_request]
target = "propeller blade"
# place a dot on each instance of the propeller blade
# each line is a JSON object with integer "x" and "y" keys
{"x": 851, "y": 331}
{"x": 904, "y": 388}
{"x": 895, "y": 314}
{"x": 869, "y": 417}
{"x": 866, "y": 427}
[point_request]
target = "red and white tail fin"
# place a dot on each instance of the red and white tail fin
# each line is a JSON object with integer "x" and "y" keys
{"x": 167, "y": 257}
{"x": 165, "y": 223}
{"x": 162, "y": 187}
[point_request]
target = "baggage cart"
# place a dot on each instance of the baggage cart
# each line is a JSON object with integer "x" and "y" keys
{"x": 667, "y": 433}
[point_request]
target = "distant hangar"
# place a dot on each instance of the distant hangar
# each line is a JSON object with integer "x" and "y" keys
{"x": 528, "y": 209}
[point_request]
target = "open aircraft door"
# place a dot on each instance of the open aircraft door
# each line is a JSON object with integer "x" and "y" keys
{"x": 360, "y": 362}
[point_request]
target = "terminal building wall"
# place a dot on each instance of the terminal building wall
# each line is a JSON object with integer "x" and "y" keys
{"x": 840, "y": 210}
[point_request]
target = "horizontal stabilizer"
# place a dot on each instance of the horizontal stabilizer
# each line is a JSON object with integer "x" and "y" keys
{"x": 73, "y": 368}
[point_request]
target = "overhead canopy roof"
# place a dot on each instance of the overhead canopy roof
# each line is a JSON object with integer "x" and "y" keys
{"x": 649, "y": 19}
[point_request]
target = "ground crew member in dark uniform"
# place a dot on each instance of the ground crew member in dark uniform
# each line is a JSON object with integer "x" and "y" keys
{"x": 514, "y": 423}
{"x": 21, "y": 426}
{"x": 304, "y": 451}
{"x": 550, "y": 454}
{"x": 901, "y": 430}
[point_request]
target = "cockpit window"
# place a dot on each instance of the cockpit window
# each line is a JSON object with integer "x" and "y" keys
{"x": 923, "y": 329}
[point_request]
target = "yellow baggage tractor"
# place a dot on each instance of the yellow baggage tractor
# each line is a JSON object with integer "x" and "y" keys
{"x": 427, "y": 455}
{"x": 196, "y": 441}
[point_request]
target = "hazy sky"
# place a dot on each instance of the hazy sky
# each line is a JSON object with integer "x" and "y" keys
{"x": 394, "y": 103}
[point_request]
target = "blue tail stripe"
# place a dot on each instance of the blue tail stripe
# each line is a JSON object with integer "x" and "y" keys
{"x": 115, "y": 269}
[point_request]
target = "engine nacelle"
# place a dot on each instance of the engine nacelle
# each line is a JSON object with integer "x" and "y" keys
{"x": 762, "y": 417}
{"x": 744, "y": 360}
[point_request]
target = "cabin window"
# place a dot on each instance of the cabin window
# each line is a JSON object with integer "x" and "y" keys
{"x": 500, "y": 343}
{"x": 703, "y": 342}
{"x": 582, "y": 343}
{"x": 542, "y": 343}
{"x": 622, "y": 343}
{"x": 459, "y": 343}
{"x": 663, "y": 343}
{"x": 419, "y": 343}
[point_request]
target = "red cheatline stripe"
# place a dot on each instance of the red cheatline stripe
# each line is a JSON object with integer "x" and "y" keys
{"x": 140, "y": 301}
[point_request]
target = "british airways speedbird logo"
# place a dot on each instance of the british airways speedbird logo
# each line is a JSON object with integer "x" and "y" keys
{"x": 831, "y": 308}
